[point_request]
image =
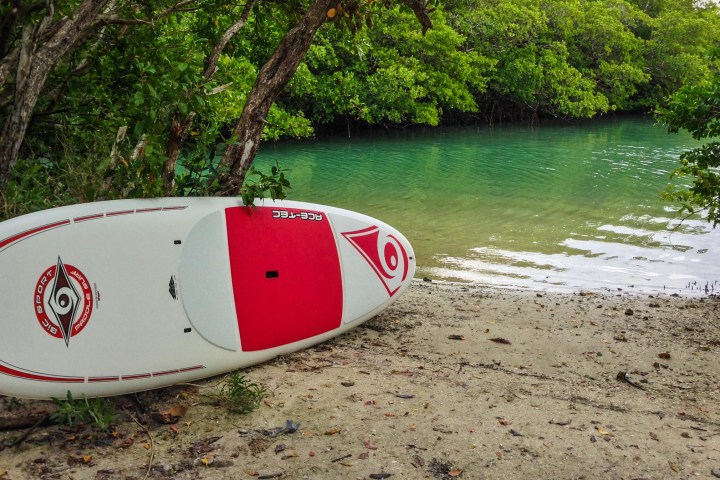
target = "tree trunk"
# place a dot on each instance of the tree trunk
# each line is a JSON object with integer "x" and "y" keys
{"x": 36, "y": 61}
{"x": 271, "y": 80}
{"x": 179, "y": 130}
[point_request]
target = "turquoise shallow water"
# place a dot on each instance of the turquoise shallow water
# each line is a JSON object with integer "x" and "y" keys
{"x": 561, "y": 207}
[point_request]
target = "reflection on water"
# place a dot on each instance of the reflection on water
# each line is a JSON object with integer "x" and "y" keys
{"x": 557, "y": 207}
{"x": 660, "y": 261}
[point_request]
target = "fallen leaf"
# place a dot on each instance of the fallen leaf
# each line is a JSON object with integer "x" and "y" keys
{"x": 251, "y": 473}
{"x": 333, "y": 431}
{"x": 87, "y": 458}
{"x": 174, "y": 429}
{"x": 664, "y": 355}
{"x": 602, "y": 431}
{"x": 205, "y": 461}
{"x": 455, "y": 472}
{"x": 364, "y": 456}
{"x": 504, "y": 341}
{"x": 171, "y": 415}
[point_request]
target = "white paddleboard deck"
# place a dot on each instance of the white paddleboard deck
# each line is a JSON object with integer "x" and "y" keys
{"x": 115, "y": 297}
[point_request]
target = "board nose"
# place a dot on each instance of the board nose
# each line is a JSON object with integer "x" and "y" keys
{"x": 377, "y": 262}
{"x": 386, "y": 251}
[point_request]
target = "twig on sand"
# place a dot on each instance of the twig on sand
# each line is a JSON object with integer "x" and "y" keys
{"x": 622, "y": 376}
{"x": 152, "y": 443}
{"x": 25, "y": 435}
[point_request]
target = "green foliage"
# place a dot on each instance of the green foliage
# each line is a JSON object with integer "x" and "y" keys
{"x": 679, "y": 48}
{"x": 487, "y": 59}
{"x": 52, "y": 180}
{"x": 98, "y": 412}
{"x": 569, "y": 58}
{"x": 242, "y": 395}
{"x": 390, "y": 74}
{"x": 258, "y": 184}
{"x": 200, "y": 172}
{"x": 697, "y": 110}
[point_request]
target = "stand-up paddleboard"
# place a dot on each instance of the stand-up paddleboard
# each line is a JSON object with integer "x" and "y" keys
{"x": 115, "y": 297}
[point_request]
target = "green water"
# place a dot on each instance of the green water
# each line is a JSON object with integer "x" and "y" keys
{"x": 560, "y": 206}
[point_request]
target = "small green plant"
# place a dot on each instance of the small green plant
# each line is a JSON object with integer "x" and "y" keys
{"x": 242, "y": 395}
{"x": 98, "y": 412}
{"x": 275, "y": 184}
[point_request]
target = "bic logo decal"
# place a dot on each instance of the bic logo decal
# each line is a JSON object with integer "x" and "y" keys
{"x": 63, "y": 301}
{"x": 384, "y": 253}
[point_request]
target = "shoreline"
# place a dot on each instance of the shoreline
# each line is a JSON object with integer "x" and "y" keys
{"x": 451, "y": 381}
{"x": 692, "y": 290}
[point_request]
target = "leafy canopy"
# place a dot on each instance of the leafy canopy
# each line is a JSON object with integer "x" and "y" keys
{"x": 697, "y": 110}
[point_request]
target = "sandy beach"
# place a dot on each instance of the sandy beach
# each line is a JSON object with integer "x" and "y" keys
{"x": 450, "y": 382}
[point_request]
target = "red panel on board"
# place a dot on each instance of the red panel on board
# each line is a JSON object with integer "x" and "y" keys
{"x": 285, "y": 273}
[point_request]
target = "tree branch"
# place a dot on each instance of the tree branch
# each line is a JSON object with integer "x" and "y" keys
{"x": 272, "y": 78}
{"x": 419, "y": 7}
{"x": 178, "y": 7}
{"x": 180, "y": 128}
{"x": 211, "y": 61}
